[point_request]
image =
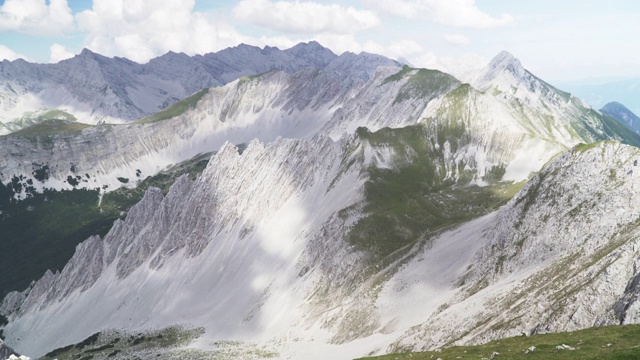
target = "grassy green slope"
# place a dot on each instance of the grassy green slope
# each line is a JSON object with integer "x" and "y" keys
{"x": 31, "y": 118}
{"x": 619, "y": 131}
{"x": 50, "y": 127}
{"x": 421, "y": 84}
{"x": 176, "y": 109}
{"x": 417, "y": 198}
{"x": 42, "y": 231}
{"x": 166, "y": 344}
{"x": 609, "y": 342}
{"x": 156, "y": 344}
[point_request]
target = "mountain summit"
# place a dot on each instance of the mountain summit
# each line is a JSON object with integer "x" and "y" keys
{"x": 505, "y": 74}
{"x": 503, "y": 70}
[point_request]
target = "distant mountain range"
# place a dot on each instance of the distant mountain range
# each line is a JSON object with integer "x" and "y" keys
{"x": 624, "y": 115}
{"x": 92, "y": 88}
{"x": 349, "y": 206}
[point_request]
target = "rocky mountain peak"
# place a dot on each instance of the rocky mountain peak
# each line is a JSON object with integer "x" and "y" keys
{"x": 170, "y": 57}
{"x": 504, "y": 60}
{"x": 88, "y": 54}
{"x": 504, "y": 67}
{"x": 357, "y": 68}
{"x": 313, "y": 50}
{"x": 87, "y": 60}
{"x": 311, "y": 46}
{"x": 507, "y": 78}
{"x": 176, "y": 55}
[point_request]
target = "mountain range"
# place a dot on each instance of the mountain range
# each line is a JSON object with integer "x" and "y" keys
{"x": 351, "y": 205}
{"x": 92, "y": 88}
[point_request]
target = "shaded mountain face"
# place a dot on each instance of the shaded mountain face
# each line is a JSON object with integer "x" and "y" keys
{"x": 94, "y": 89}
{"x": 624, "y": 115}
{"x": 365, "y": 214}
{"x": 5, "y": 351}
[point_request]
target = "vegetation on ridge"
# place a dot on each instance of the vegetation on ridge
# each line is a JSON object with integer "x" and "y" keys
{"x": 602, "y": 343}
{"x": 166, "y": 344}
{"x": 176, "y": 109}
{"x": 123, "y": 198}
{"x": 611, "y": 129}
{"x": 422, "y": 194}
{"x": 424, "y": 84}
{"x": 50, "y": 128}
{"x": 31, "y": 118}
{"x": 60, "y": 220}
{"x": 156, "y": 344}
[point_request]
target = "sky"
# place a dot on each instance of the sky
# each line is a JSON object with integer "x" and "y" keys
{"x": 556, "y": 40}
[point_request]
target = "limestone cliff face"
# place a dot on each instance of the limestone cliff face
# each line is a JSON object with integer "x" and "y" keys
{"x": 256, "y": 231}
{"x": 560, "y": 256}
{"x": 578, "y": 221}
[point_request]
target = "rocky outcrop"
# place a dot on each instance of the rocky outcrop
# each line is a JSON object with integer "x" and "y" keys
{"x": 266, "y": 221}
{"x": 560, "y": 256}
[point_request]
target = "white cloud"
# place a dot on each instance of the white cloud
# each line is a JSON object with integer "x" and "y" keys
{"x": 281, "y": 42}
{"x": 464, "y": 67}
{"x": 427, "y": 60}
{"x": 458, "y": 13}
{"x": 404, "y": 49}
{"x": 140, "y": 30}
{"x": 339, "y": 43}
{"x": 304, "y": 17}
{"x": 36, "y": 17}
{"x": 59, "y": 53}
{"x": 8, "y": 54}
{"x": 457, "y": 39}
